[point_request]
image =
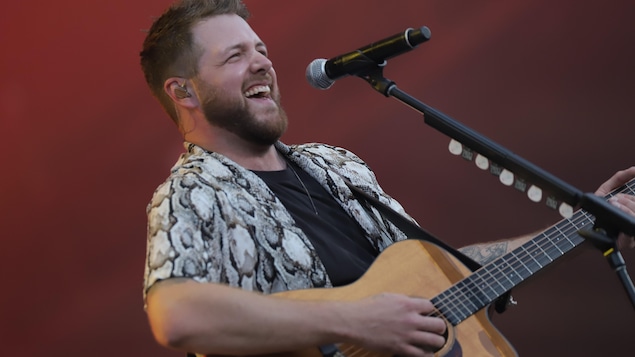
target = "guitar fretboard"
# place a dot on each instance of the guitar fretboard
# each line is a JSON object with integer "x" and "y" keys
{"x": 493, "y": 280}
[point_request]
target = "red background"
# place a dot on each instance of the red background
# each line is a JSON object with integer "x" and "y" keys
{"x": 84, "y": 145}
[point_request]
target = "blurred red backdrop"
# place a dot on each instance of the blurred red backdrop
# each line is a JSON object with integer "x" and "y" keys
{"x": 84, "y": 145}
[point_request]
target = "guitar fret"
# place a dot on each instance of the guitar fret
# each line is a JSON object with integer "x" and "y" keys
{"x": 464, "y": 307}
{"x": 497, "y": 293}
{"x": 545, "y": 255}
{"x": 588, "y": 217}
{"x": 513, "y": 276}
{"x": 513, "y": 254}
{"x": 501, "y": 269}
{"x": 533, "y": 258}
{"x": 560, "y": 252}
{"x": 460, "y": 290}
{"x": 561, "y": 233}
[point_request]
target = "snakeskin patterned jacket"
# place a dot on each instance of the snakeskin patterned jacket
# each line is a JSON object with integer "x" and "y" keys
{"x": 215, "y": 221}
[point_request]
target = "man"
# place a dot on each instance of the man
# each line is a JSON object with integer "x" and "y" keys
{"x": 242, "y": 215}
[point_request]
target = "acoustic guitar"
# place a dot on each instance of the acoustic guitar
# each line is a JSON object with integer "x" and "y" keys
{"x": 420, "y": 268}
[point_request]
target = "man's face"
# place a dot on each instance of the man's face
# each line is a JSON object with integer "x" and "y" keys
{"x": 236, "y": 82}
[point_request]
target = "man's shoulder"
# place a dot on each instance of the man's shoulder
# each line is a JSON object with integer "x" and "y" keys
{"x": 196, "y": 170}
{"x": 320, "y": 159}
{"x": 330, "y": 153}
{"x": 198, "y": 164}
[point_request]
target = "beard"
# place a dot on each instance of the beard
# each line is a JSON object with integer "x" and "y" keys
{"x": 232, "y": 114}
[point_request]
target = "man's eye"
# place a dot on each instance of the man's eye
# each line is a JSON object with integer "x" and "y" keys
{"x": 233, "y": 56}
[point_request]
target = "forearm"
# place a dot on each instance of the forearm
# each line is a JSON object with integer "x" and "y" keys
{"x": 484, "y": 253}
{"x": 217, "y": 319}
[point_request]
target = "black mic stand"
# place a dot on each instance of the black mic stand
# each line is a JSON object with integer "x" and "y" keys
{"x": 607, "y": 245}
{"x": 608, "y": 218}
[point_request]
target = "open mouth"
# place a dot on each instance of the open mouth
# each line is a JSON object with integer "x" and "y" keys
{"x": 258, "y": 92}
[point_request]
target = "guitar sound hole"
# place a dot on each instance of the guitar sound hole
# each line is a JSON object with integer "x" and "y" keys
{"x": 330, "y": 351}
{"x": 455, "y": 349}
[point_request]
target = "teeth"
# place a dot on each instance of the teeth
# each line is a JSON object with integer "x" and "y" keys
{"x": 257, "y": 90}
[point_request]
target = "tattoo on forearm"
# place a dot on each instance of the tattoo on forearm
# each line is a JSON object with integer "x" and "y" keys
{"x": 485, "y": 253}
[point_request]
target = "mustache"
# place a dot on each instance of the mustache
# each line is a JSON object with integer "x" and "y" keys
{"x": 260, "y": 78}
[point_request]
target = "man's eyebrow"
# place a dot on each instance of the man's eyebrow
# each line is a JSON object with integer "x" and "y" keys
{"x": 242, "y": 46}
{"x": 238, "y": 46}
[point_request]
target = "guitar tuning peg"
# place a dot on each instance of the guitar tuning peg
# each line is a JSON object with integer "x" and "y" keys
{"x": 565, "y": 210}
{"x": 481, "y": 162}
{"x": 506, "y": 177}
{"x": 534, "y": 193}
{"x": 455, "y": 147}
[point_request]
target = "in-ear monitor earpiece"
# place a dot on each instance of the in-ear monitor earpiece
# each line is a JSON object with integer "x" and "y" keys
{"x": 181, "y": 91}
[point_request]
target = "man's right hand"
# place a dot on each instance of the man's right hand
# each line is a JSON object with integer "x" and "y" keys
{"x": 397, "y": 324}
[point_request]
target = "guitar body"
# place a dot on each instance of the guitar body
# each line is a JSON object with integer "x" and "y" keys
{"x": 415, "y": 268}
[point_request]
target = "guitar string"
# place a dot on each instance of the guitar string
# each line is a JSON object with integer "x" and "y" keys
{"x": 536, "y": 245}
{"x": 548, "y": 252}
{"x": 553, "y": 247}
{"x": 463, "y": 310}
{"x": 478, "y": 279}
{"x": 579, "y": 218}
{"x": 357, "y": 351}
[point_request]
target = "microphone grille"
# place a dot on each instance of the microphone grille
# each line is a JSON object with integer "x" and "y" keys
{"x": 316, "y": 74}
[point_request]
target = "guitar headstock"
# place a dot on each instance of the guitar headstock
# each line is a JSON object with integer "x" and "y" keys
{"x": 508, "y": 178}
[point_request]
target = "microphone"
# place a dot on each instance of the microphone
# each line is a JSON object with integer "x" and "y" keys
{"x": 322, "y": 73}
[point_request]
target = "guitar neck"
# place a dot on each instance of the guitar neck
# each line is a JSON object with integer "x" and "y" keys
{"x": 487, "y": 284}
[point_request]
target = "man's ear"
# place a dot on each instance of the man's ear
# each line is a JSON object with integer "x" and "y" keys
{"x": 177, "y": 89}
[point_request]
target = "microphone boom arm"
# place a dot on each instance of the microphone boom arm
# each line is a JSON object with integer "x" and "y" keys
{"x": 609, "y": 220}
{"x": 608, "y": 217}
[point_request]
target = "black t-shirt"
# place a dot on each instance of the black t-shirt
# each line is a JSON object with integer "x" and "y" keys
{"x": 338, "y": 239}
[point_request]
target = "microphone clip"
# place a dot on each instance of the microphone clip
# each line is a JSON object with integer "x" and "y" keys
{"x": 375, "y": 77}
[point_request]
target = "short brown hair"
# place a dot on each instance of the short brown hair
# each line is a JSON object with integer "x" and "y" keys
{"x": 169, "y": 50}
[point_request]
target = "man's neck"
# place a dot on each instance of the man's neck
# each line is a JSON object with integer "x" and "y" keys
{"x": 258, "y": 160}
{"x": 246, "y": 154}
